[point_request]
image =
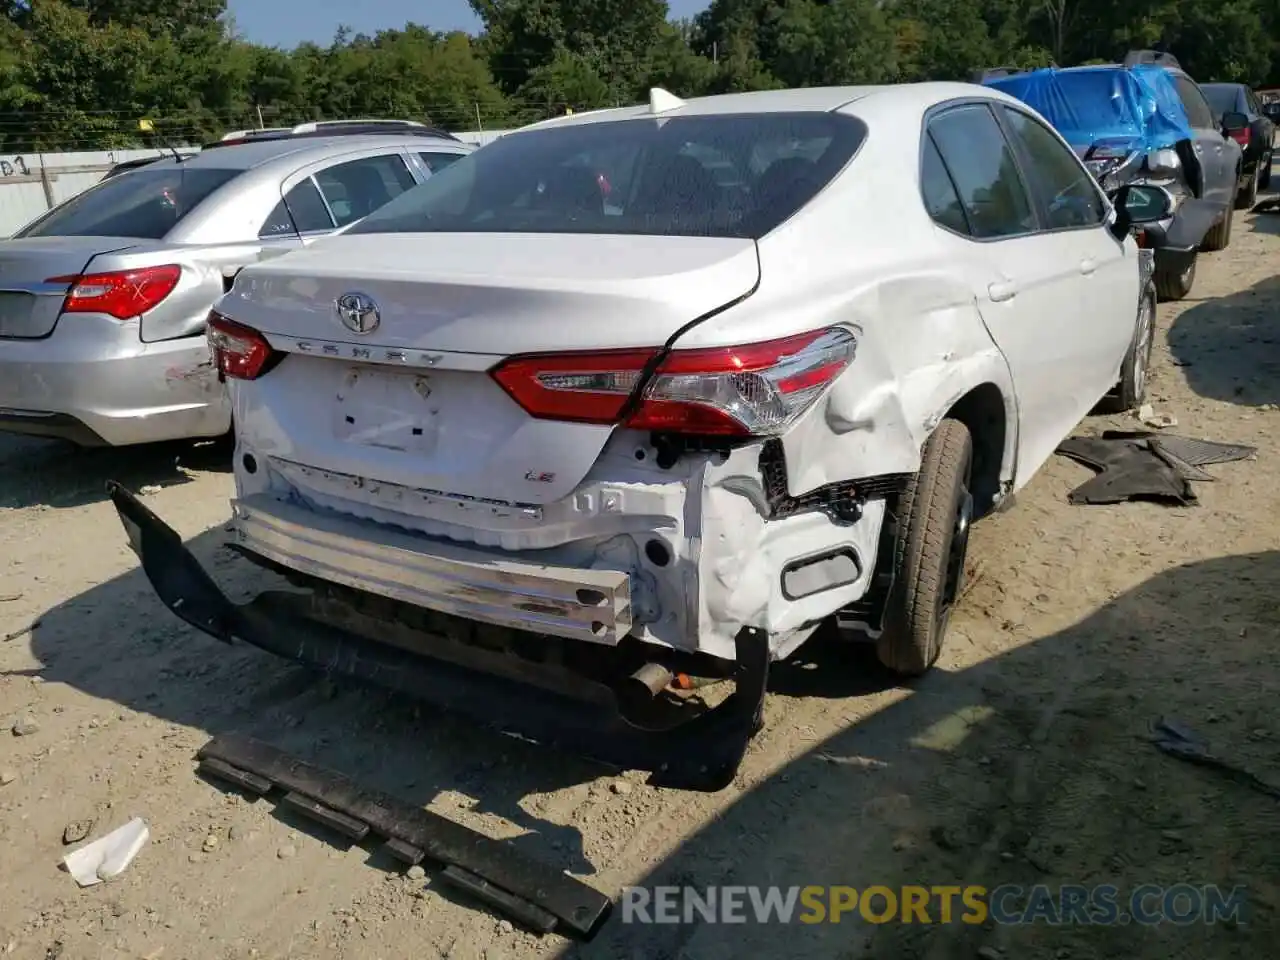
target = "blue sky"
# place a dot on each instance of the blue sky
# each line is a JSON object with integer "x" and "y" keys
{"x": 287, "y": 23}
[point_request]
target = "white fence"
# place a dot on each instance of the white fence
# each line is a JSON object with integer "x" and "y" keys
{"x": 31, "y": 183}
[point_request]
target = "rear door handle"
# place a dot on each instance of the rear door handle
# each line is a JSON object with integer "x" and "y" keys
{"x": 1002, "y": 290}
{"x": 1087, "y": 266}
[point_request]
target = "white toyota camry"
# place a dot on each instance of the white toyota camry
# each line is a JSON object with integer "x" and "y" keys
{"x": 632, "y": 400}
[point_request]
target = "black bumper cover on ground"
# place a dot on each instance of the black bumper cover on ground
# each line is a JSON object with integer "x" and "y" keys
{"x": 534, "y": 894}
{"x": 702, "y": 754}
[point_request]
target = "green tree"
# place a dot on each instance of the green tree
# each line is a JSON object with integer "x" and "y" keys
{"x": 614, "y": 38}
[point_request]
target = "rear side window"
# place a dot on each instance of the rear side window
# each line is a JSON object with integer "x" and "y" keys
{"x": 1198, "y": 110}
{"x": 145, "y": 204}
{"x": 940, "y": 197}
{"x": 1065, "y": 191}
{"x": 1222, "y": 99}
{"x": 302, "y": 210}
{"x": 735, "y": 175}
{"x": 983, "y": 169}
{"x": 438, "y": 161}
{"x": 358, "y": 187}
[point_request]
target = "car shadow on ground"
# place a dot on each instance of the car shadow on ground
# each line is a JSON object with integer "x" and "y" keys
{"x": 55, "y": 473}
{"x": 1035, "y": 767}
{"x": 1229, "y": 347}
{"x": 1266, "y": 214}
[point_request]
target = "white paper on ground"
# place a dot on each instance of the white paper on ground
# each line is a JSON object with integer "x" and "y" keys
{"x": 108, "y": 856}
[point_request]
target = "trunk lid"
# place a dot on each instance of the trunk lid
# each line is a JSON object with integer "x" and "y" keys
{"x": 410, "y": 404}
{"x": 29, "y": 304}
{"x": 498, "y": 294}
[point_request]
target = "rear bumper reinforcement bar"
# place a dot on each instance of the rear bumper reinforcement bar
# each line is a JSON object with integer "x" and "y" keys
{"x": 702, "y": 753}
{"x": 529, "y": 891}
{"x": 577, "y": 604}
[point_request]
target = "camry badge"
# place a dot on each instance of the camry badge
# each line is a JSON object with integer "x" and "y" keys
{"x": 358, "y": 312}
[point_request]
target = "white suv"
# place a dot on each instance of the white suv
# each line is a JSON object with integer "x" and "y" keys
{"x": 649, "y": 394}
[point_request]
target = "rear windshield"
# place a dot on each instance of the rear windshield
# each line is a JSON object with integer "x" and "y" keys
{"x": 718, "y": 176}
{"x": 1097, "y": 97}
{"x": 1223, "y": 99}
{"x": 144, "y": 204}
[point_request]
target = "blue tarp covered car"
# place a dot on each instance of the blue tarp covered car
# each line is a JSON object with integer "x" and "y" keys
{"x": 1137, "y": 107}
{"x": 1129, "y": 124}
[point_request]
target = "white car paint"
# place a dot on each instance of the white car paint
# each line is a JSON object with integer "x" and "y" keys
{"x": 404, "y": 450}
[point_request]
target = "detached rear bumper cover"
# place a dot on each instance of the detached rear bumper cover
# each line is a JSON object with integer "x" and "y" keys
{"x": 701, "y": 754}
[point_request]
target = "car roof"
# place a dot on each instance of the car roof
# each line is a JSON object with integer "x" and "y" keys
{"x": 1223, "y": 85}
{"x": 917, "y": 96}
{"x": 302, "y": 150}
{"x": 1103, "y": 67}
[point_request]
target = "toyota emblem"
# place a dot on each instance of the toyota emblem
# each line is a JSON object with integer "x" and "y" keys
{"x": 358, "y": 312}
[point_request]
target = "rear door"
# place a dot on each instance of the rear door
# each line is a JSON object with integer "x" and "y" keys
{"x": 437, "y": 160}
{"x": 322, "y": 197}
{"x": 1027, "y": 279}
{"x": 1071, "y": 205}
{"x": 1217, "y": 162}
{"x": 355, "y": 188}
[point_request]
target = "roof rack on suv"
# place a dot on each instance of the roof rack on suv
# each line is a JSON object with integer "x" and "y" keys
{"x": 246, "y": 134}
{"x": 995, "y": 73}
{"x": 333, "y": 128}
{"x": 315, "y": 125}
{"x": 1159, "y": 58}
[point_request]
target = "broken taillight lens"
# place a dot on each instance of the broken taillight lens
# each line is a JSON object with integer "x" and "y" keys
{"x": 238, "y": 351}
{"x": 123, "y": 294}
{"x": 757, "y": 389}
{"x": 1242, "y": 136}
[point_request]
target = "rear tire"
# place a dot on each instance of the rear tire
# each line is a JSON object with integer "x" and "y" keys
{"x": 1247, "y": 198}
{"x": 934, "y": 515}
{"x": 1173, "y": 284}
{"x": 1219, "y": 238}
{"x": 1131, "y": 389}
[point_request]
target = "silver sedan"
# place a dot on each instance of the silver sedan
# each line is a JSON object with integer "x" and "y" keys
{"x": 103, "y": 300}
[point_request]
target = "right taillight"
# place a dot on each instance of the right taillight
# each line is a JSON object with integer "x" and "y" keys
{"x": 122, "y": 294}
{"x": 238, "y": 351}
{"x": 756, "y": 389}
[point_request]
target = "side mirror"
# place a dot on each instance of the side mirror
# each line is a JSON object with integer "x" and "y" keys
{"x": 1233, "y": 122}
{"x": 1139, "y": 203}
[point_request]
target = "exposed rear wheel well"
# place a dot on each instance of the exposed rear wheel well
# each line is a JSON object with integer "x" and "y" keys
{"x": 982, "y": 411}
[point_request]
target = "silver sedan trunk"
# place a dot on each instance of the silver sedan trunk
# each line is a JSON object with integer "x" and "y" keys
{"x": 104, "y": 299}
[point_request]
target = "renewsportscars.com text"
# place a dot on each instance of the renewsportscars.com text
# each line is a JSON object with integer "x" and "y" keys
{"x": 1008, "y": 904}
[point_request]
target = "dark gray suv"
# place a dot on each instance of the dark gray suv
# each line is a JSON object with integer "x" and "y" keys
{"x": 1146, "y": 121}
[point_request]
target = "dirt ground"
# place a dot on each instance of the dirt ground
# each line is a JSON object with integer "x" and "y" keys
{"x": 1024, "y": 759}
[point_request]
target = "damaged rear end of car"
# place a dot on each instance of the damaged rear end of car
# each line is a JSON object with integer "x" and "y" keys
{"x": 478, "y": 433}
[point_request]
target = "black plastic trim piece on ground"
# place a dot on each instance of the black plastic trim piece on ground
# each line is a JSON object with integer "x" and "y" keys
{"x": 529, "y": 891}
{"x": 701, "y": 754}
